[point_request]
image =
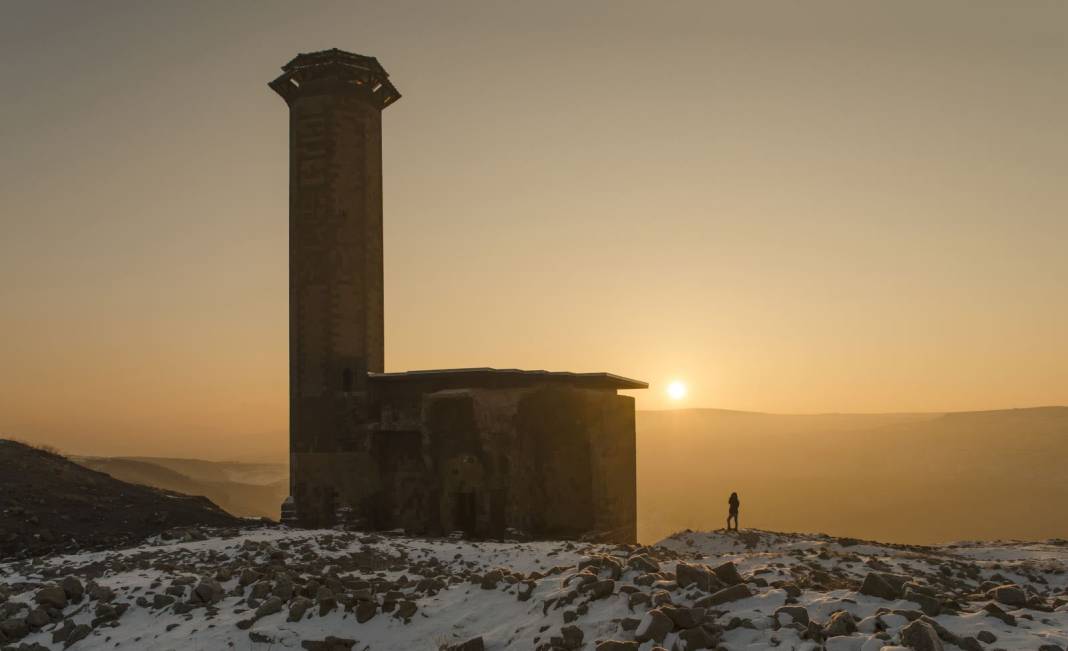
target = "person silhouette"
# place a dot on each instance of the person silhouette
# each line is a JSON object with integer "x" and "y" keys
{"x": 733, "y": 502}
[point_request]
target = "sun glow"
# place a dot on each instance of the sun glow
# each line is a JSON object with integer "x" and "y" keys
{"x": 676, "y": 390}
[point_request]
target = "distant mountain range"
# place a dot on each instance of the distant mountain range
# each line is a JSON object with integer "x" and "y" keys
{"x": 920, "y": 478}
{"x": 917, "y": 478}
{"x": 242, "y": 489}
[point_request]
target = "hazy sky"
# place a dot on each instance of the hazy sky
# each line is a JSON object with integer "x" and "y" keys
{"x": 792, "y": 207}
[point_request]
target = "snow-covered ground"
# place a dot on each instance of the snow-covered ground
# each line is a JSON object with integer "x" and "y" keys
{"x": 279, "y": 588}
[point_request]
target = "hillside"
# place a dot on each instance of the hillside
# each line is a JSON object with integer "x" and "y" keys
{"x": 754, "y": 590}
{"x": 48, "y": 503}
{"x": 920, "y": 478}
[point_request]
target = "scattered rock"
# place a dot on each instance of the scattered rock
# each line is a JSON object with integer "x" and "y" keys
{"x": 840, "y": 623}
{"x": 73, "y": 588}
{"x": 331, "y": 643}
{"x": 572, "y": 637}
{"x": 698, "y": 575}
{"x": 797, "y": 614}
{"x": 875, "y": 585}
{"x": 474, "y": 644}
{"x": 1010, "y": 595}
{"x": 53, "y": 596}
{"x": 728, "y": 573}
{"x": 733, "y": 593}
{"x": 271, "y": 606}
{"x": 921, "y": 636}
{"x": 654, "y": 626}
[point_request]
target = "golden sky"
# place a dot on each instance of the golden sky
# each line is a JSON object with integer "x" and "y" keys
{"x": 792, "y": 207}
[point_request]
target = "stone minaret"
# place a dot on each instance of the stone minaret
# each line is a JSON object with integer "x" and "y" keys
{"x": 335, "y": 101}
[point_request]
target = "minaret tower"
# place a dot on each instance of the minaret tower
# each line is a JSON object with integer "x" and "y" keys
{"x": 335, "y": 101}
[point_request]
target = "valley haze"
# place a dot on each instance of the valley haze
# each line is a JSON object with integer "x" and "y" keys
{"x": 908, "y": 478}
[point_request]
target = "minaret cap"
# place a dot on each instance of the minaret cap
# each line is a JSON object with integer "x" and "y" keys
{"x": 334, "y": 70}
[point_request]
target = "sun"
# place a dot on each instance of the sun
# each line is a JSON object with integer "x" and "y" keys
{"x": 676, "y": 390}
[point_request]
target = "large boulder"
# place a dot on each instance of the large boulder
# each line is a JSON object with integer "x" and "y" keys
{"x": 599, "y": 589}
{"x": 993, "y": 610}
{"x": 733, "y": 593}
{"x": 697, "y": 575}
{"x": 269, "y": 607}
{"x": 876, "y": 585}
{"x": 921, "y": 636}
{"x": 617, "y": 645}
{"x": 1010, "y": 595}
{"x": 572, "y": 637}
{"x": 297, "y": 608}
{"x": 643, "y": 563}
{"x": 474, "y": 644}
{"x": 14, "y": 628}
{"x": 654, "y": 626}
{"x": 52, "y": 596}
{"x": 796, "y": 615}
{"x": 728, "y": 574}
{"x": 840, "y": 623}
{"x": 73, "y": 588}
{"x": 331, "y": 643}
{"x": 930, "y": 605}
{"x": 698, "y": 638}
{"x": 683, "y": 617}
{"x": 207, "y": 592}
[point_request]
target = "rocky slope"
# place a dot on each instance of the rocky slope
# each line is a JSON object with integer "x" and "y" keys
{"x": 50, "y": 504}
{"x": 279, "y": 588}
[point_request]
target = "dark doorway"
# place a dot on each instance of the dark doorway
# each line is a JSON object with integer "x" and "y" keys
{"x": 466, "y": 511}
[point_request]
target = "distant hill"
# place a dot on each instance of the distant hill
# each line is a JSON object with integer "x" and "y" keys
{"x": 48, "y": 503}
{"x": 242, "y": 489}
{"x": 920, "y": 478}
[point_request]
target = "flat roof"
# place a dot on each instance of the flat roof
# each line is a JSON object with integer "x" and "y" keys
{"x": 506, "y": 377}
